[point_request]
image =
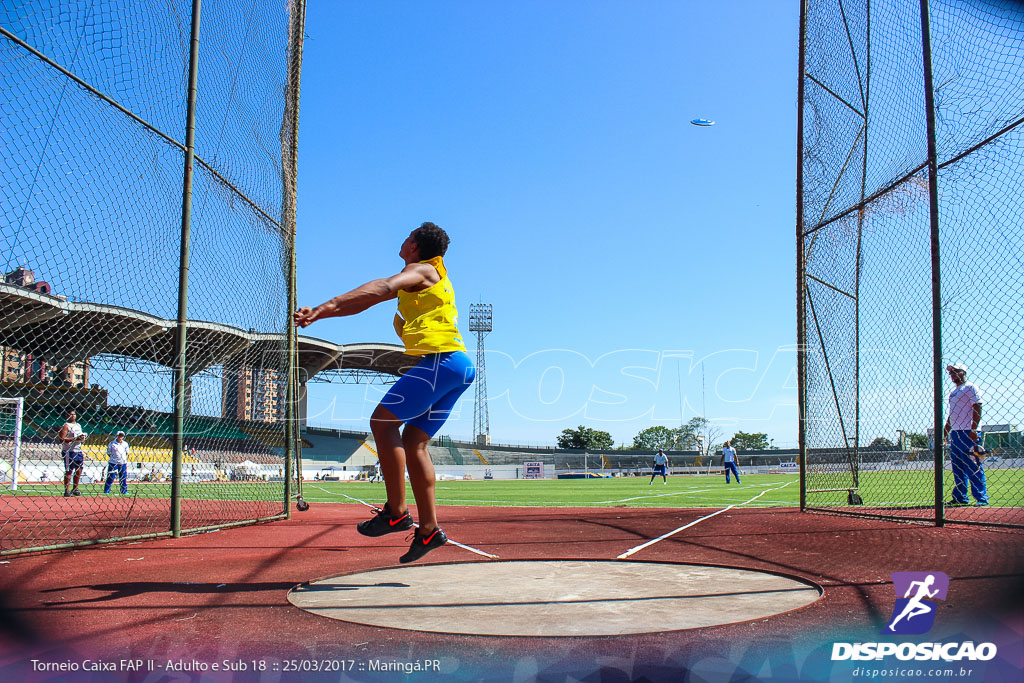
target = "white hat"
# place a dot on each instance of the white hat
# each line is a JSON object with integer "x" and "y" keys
{"x": 120, "y": 433}
{"x": 957, "y": 366}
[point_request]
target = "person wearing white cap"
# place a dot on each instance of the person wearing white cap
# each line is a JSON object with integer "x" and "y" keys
{"x": 961, "y": 432}
{"x": 117, "y": 451}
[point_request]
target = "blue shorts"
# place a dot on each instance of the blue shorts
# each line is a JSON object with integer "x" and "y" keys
{"x": 660, "y": 469}
{"x": 425, "y": 395}
{"x": 73, "y": 460}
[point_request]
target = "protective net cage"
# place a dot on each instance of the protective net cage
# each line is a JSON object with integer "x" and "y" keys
{"x": 873, "y": 204}
{"x": 93, "y": 126}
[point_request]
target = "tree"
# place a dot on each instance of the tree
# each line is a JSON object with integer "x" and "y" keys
{"x": 757, "y": 441}
{"x": 656, "y": 437}
{"x": 881, "y": 442}
{"x": 700, "y": 434}
{"x": 917, "y": 440}
{"x": 688, "y": 434}
{"x": 585, "y": 438}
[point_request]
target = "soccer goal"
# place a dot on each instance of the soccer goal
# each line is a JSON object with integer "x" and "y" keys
{"x": 10, "y": 440}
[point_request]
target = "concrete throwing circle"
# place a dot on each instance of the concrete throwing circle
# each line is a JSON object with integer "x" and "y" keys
{"x": 553, "y": 598}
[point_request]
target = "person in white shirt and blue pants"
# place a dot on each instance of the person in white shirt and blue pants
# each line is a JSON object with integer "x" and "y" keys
{"x": 961, "y": 432}
{"x": 117, "y": 452}
{"x": 729, "y": 461}
{"x": 660, "y": 467}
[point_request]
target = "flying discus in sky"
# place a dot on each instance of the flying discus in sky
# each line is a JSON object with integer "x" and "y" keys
{"x": 702, "y": 122}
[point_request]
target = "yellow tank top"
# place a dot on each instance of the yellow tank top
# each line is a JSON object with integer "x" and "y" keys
{"x": 431, "y": 320}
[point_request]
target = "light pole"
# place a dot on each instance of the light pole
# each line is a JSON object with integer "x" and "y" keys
{"x": 481, "y": 322}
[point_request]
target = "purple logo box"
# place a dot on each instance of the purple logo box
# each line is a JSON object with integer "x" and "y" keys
{"x": 916, "y": 595}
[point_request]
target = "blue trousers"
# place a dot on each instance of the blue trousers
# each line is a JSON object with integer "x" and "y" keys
{"x": 731, "y": 466}
{"x": 966, "y": 468}
{"x": 121, "y": 471}
{"x": 425, "y": 395}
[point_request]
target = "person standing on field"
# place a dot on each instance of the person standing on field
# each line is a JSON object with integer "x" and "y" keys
{"x": 660, "y": 467}
{"x": 71, "y": 438}
{"x": 117, "y": 452}
{"x": 961, "y": 432}
{"x": 729, "y": 461}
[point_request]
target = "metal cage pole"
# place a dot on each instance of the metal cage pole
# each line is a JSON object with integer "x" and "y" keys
{"x": 289, "y": 410}
{"x": 801, "y": 334}
{"x": 290, "y": 180}
{"x": 858, "y": 266}
{"x": 180, "y": 371}
{"x": 933, "y": 197}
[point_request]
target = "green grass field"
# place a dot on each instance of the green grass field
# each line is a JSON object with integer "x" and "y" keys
{"x": 908, "y": 488}
{"x": 878, "y": 489}
{"x": 679, "y": 492}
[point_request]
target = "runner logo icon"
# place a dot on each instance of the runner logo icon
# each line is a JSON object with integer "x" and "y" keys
{"x": 914, "y": 612}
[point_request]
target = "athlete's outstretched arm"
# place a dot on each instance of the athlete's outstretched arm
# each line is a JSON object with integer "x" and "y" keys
{"x": 414, "y": 276}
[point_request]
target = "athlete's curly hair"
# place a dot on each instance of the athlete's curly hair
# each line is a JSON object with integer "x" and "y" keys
{"x": 431, "y": 240}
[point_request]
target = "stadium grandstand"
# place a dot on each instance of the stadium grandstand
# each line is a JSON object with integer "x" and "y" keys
{"x": 215, "y": 447}
{"x": 356, "y": 452}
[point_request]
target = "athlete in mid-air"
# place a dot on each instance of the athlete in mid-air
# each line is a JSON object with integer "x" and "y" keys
{"x": 427, "y": 322}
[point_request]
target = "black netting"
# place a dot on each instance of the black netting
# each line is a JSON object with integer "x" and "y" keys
{"x": 92, "y": 124}
{"x": 867, "y": 323}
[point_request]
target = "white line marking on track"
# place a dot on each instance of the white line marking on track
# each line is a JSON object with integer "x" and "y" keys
{"x": 455, "y": 543}
{"x": 638, "y": 548}
{"x": 472, "y": 550}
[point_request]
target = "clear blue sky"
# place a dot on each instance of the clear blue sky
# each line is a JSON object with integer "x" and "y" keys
{"x": 623, "y": 249}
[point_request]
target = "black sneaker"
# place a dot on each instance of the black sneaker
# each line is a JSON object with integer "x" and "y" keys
{"x": 956, "y": 504}
{"x": 67, "y": 494}
{"x": 385, "y": 523}
{"x": 76, "y": 492}
{"x": 421, "y": 545}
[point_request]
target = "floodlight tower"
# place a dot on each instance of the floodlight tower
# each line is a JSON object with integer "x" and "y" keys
{"x": 481, "y": 322}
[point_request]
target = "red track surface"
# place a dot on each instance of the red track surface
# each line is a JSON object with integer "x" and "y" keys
{"x": 223, "y": 595}
{"x": 37, "y": 521}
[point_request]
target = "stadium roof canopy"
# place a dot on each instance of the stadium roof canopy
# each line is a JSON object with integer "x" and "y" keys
{"x": 65, "y": 332}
